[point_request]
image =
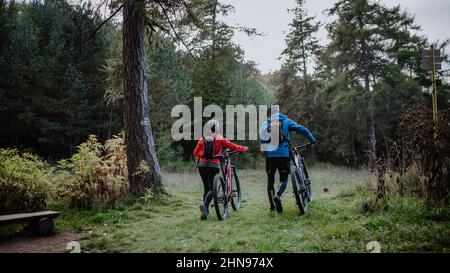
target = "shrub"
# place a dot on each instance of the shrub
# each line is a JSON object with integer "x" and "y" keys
{"x": 420, "y": 162}
{"x": 23, "y": 182}
{"x": 95, "y": 175}
{"x": 169, "y": 155}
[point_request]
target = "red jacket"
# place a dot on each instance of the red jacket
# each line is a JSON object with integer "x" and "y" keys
{"x": 219, "y": 142}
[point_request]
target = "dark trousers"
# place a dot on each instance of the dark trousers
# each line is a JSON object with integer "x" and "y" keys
{"x": 273, "y": 164}
{"x": 207, "y": 174}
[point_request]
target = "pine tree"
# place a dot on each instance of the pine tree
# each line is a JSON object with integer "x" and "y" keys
{"x": 375, "y": 50}
{"x": 51, "y": 87}
{"x": 356, "y": 47}
{"x": 219, "y": 58}
{"x": 301, "y": 41}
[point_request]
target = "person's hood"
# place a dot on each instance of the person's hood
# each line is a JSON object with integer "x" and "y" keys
{"x": 279, "y": 115}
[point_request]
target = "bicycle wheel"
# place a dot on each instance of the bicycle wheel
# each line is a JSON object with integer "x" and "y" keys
{"x": 308, "y": 184}
{"x": 236, "y": 197}
{"x": 219, "y": 196}
{"x": 308, "y": 187}
{"x": 300, "y": 188}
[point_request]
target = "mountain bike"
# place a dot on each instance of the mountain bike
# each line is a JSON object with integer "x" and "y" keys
{"x": 226, "y": 187}
{"x": 301, "y": 183}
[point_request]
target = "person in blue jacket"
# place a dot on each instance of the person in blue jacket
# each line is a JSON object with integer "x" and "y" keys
{"x": 277, "y": 151}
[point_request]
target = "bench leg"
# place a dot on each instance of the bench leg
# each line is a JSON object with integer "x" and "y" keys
{"x": 42, "y": 227}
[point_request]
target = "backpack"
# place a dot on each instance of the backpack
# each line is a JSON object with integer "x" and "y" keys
{"x": 277, "y": 126}
{"x": 208, "y": 147}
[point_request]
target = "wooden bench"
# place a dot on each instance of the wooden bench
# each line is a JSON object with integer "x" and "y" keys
{"x": 39, "y": 222}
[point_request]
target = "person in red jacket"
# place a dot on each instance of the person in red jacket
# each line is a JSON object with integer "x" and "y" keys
{"x": 208, "y": 168}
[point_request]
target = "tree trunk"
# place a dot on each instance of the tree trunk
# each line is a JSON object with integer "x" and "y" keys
{"x": 305, "y": 72}
{"x": 354, "y": 154}
{"x": 386, "y": 146}
{"x": 214, "y": 31}
{"x": 143, "y": 167}
{"x": 372, "y": 145}
{"x": 370, "y": 124}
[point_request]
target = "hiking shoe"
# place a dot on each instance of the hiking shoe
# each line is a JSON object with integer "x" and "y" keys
{"x": 278, "y": 205}
{"x": 204, "y": 212}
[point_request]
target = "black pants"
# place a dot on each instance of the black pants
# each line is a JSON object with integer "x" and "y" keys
{"x": 207, "y": 174}
{"x": 282, "y": 164}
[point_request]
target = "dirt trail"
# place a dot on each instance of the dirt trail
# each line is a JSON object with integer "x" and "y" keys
{"x": 25, "y": 243}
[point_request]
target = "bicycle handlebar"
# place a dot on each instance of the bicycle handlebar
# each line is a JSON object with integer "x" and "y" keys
{"x": 232, "y": 152}
{"x": 301, "y": 147}
{"x": 226, "y": 153}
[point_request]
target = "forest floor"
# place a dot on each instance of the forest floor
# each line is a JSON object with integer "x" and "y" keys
{"x": 336, "y": 220}
{"x": 24, "y": 243}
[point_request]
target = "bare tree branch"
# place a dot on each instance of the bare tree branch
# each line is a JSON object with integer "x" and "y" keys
{"x": 174, "y": 31}
{"x": 102, "y": 23}
{"x": 190, "y": 13}
{"x": 152, "y": 23}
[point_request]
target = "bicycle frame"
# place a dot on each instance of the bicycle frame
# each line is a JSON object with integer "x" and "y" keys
{"x": 227, "y": 172}
{"x": 223, "y": 186}
{"x": 298, "y": 159}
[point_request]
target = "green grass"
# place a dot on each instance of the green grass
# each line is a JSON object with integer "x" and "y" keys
{"x": 336, "y": 221}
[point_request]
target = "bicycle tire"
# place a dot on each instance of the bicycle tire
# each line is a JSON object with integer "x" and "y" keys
{"x": 219, "y": 196}
{"x": 236, "y": 189}
{"x": 297, "y": 183}
{"x": 308, "y": 184}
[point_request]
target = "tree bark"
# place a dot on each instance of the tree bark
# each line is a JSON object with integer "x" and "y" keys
{"x": 372, "y": 145}
{"x": 370, "y": 124}
{"x": 354, "y": 154}
{"x": 214, "y": 31}
{"x": 143, "y": 167}
{"x": 386, "y": 146}
{"x": 305, "y": 72}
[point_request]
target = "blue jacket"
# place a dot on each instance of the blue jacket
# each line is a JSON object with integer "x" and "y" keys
{"x": 287, "y": 125}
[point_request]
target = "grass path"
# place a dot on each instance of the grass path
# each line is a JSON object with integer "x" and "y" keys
{"x": 334, "y": 223}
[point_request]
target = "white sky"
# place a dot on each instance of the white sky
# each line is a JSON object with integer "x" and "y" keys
{"x": 271, "y": 17}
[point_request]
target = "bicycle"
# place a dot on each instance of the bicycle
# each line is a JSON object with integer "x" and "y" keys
{"x": 301, "y": 183}
{"x": 226, "y": 187}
